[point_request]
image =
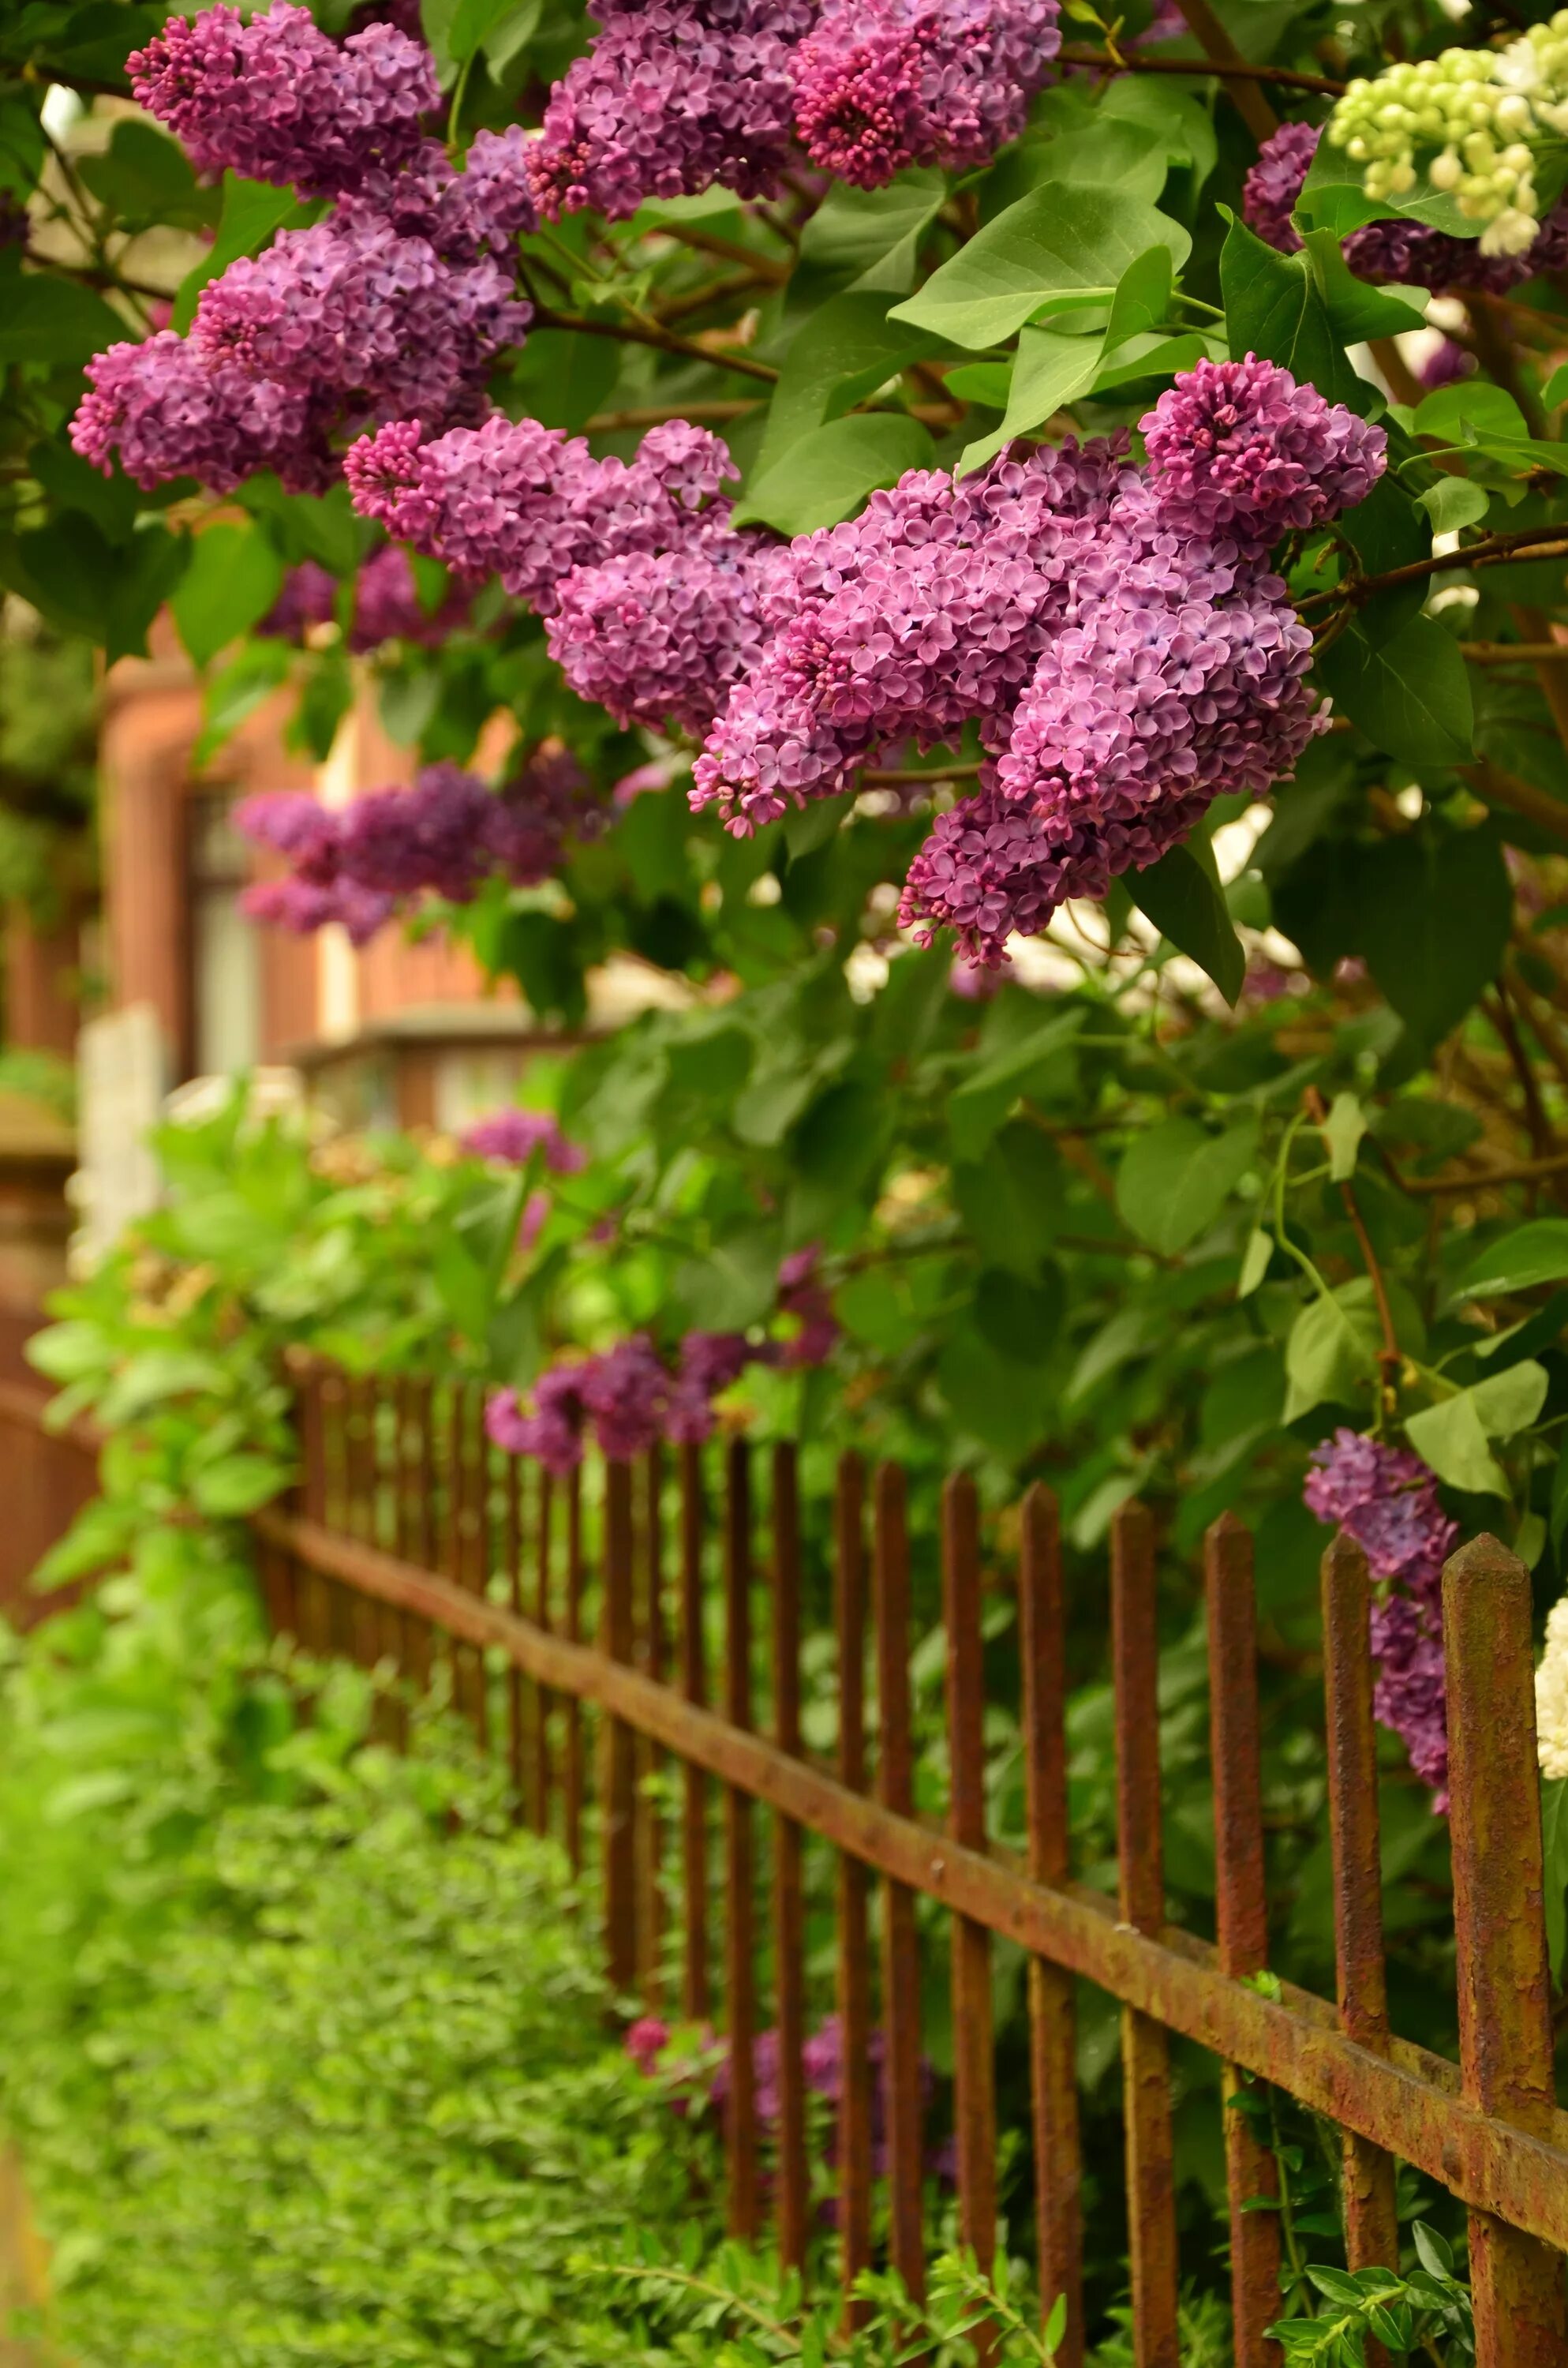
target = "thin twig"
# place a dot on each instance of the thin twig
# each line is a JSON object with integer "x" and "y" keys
{"x": 1522, "y": 1171}
{"x": 1538, "y": 1126}
{"x": 628, "y": 333}
{"x": 1391, "y": 1355}
{"x": 1216, "y": 45}
{"x": 654, "y": 414}
{"x": 1488, "y": 551}
{"x": 766, "y": 266}
{"x": 1515, "y": 653}
{"x": 1229, "y": 70}
{"x": 1500, "y": 789}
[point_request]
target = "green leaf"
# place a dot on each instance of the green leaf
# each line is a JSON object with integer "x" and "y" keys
{"x": 1435, "y": 907}
{"x": 252, "y": 211}
{"x": 1356, "y": 310}
{"x": 1061, "y": 240}
{"x": 1275, "y": 308}
{"x": 232, "y": 582}
{"x": 1452, "y": 1435}
{"x": 978, "y": 1107}
{"x": 146, "y": 571}
{"x": 1011, "y": 1200}
{"x": 145, "y": 178}
{"x": 1051, "y": 370}
{"x": 1472, "y": 410}
{"x": 474, "y": 21}
{"x": 872, "y": 236}
{"x": 560, "y": 377}
{"x": 1184, "y": 899}
{"x": 1554, "y": 1853}
{"x": 49, "y": 319}
{"x": 1254, "y": 1261}
{"x": 1175, "y": 1179}
{"x": 1530, "y": 1255}
{"x": 1020, "y": 1319}
{"x": 1142, "y": 298}
{"x": 1454, "y": 501}
{"x": 1434, "y": 2253}
{"x": 735, "y": 1285}
{"x": 1341, "y": 1130}
{"x": 1113, "y": 152}
{"x": 73, "y": 483}
{"x": 846, "y": 349}
{"x": 827, "y": 476}
{"x": 1410, "y": 693}
{"x": 1331, "y": 1352}
{"x": 1055, "y": 2325}
{"x": 237, "y": 1485}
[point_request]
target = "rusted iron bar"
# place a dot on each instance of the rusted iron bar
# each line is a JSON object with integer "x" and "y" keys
{"x": 1141, "y": 1871}
{"x": 338, "y": 1633}
{"x": 854, "y": 1961}
{"x": 651, "y": 1657}
{"x": 974, "y": 2062}
{"x": 900, "y": 1947}
{"x": 620, "y": 1841}
{"x": 789, "y": 1891}
{"x": 1242, "y": 1918}
{"x": 1372, "y": 2223}
{"x": 544, "y": 1760}
{"x": 517, "y": 1701}
{"x": 740, "y": 1944}
{"x": 1504, "y": 1990}
{"x": 1405, "y": 2100}
{"x": 462, "y": 1523}
{"x": 1053, "y": 2015}
{"x": 694, "y": 1794}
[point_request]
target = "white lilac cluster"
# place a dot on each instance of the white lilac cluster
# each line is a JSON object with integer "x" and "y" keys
{"x": 1467, "y": 123}
{"x": 1551, "y": 1694}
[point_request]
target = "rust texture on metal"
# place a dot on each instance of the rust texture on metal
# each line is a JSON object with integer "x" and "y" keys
{"x": 650, "y": 1659}
{"x": 1053, "y": 2019}
{"x": 517, "y": 1703}
{"x": 544, "y": 1761}
{"x": 694, "y": 1781}
{"x": 789, "y": 1891}
{"x": 901, "y": 1958}
{"x": 1141, "y": 1871}
{"x": 615, "y": 1783}
{"x": 740, "y": 1938}
{"x": 572, "y": 1755}
{"x": 974, "y": 2070}
{"x": 1242, "y": 1918}
{"x": 853, "y": 1981}
{"x": 1504, "y": 1992}
{"x": 1402, "y": 2099}
{"x": 1371, "y": 2223}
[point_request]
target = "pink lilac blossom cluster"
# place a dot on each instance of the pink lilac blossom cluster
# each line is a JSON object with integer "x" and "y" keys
{"x": 1386, "y": 1498}
{"x": 387, "y": 607}
{"x": 361, "y": 863}
{"x": 1115, "y": 634}
{"x": 703, "y": 2076}
{"x": 510, "y": 1137}
{"x": 276, "y": 100}
{"x": 675, "y": 95}
{"x": 1407, "y": 253}
{"x": 397, "y": 304}
{"x": 881, "y": 85}
{"x": 632, "y": 1398}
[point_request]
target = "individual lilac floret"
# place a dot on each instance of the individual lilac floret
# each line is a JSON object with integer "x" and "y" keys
{"x": 884, "y": 84}
{"x": 276, "y": 100}
{"x": 1386, "y": 1498}
{"x": 1239, "y": 450}
{"x": 673, "y": 96}
{"x": 659, "y": 639}
{"x": 512, "y": 1136}
{"x": 1410, "y": 254}
{"x": 528, "y": 504}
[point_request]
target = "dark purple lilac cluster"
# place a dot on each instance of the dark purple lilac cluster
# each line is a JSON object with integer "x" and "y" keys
{"x": 359, "y": 864}
{"x": 398, "y": 302}
{"x": 1407, "y": 253}
{"x": 881, "y": 85}
{"x": 632, "y": 1398}
{"x": 387, "y": 607}
{"x": 1386, "y": 1498}
{"x": 680, "y": 94}
{"x": 702, "y": 2075}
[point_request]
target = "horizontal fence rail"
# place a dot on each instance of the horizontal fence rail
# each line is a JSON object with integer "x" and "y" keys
{"x": 411, "y": 1538}
{"x": 413, "y": 1545}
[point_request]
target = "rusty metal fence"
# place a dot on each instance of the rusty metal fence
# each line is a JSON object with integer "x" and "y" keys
{"x": 411, "y": 1542}
{"x": 46, "y": 1477}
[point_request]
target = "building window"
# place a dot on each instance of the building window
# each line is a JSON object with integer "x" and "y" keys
{"x": 224, "y": 1029}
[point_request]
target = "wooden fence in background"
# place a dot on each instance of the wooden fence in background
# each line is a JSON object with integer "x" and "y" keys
{"x": 46, "y": 1477}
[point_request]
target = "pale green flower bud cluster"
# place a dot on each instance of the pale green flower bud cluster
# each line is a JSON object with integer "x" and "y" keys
{"x": 1477, "y": 115}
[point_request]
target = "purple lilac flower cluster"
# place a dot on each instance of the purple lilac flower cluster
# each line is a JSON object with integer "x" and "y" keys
{"x": 359, "y": 864}
{"x": 633, "y": 1399}
{"x": 397, "y": 304}
{"x": 1386, "y": 1498}
{"x": 703, "y": 2075}
{"x": 387, "y": 607}
{"x": 512, "y": 1136}
{"x": 675, "y": 95}
{"x": 1407, "y": 253}
{"x": 884, "y": 84}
